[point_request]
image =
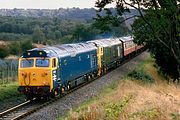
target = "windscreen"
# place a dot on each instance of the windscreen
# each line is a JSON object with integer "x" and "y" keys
{"x": 27, "y": 63}
{"x": 42, "y": 62}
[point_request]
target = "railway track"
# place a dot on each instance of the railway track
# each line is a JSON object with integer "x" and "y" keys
{"x": 18, "y": 111}
{"x": 8, "y": 113}
{"x": 23, "y": 110}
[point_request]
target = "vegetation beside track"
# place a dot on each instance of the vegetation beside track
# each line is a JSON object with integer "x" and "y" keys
{"x": 8, "y": 90}
{"x": 142, "y": 94}
{"x": 9, "y": 95}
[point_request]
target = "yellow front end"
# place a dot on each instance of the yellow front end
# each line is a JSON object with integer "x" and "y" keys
{"x": 99, "y": 55}
{"x": 35, "y": 75}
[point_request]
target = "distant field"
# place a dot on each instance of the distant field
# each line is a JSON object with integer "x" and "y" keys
{"x": 142, "y": 95}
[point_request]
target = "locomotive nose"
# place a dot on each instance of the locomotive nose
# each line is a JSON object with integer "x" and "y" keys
{"x": 24, "y": 74}
{"x": 34, "y": 74}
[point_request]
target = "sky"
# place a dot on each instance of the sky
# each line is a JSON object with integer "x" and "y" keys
{"x": 46, "y": 4}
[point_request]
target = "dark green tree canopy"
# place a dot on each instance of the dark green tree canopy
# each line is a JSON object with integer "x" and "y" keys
{"x": 157, "y": 26}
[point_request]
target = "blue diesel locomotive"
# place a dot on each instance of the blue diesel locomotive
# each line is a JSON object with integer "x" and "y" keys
{"x": 50, "y": 71}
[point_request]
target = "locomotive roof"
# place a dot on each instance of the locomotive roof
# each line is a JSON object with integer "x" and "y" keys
{"x": 59, "y": 50}
{"x": 73, "y": 49}
{"x": 126, "y": 39}
{"x": 106, "y": 42}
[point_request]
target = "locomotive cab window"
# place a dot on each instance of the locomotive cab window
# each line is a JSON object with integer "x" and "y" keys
{"x": 27, "y": 63}
{"x": 54, "y": 63}
{"x": 42, "y": 62}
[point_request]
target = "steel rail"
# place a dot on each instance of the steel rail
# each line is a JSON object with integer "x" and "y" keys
{"x": 14, "y": 108}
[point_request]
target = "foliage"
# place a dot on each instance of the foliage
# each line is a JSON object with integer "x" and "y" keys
{"x": 8, "y": 90}
{"x": 62, "y": 13}
{"x": 66, "y": 39}
{"x": 26, "y": 45}
{"x": 43, "y": 30}
{"x": 163, "y": 55}
{"x": 175, "y": 116}
{"x": 85, "y": 32}
{"x": 61, "y": 26}
{"x": 145, "y": 114}
{"x": 141, "y": 75}
{"x": 15, "y": 48}
{"x": 3, "y": 51}
{"x": 38, "y": 35}
{"x": 114, "y": 109}
{"x": 109, "y": 24}
{"x": 156, "y": 26}
{"x": 13, "y": 36}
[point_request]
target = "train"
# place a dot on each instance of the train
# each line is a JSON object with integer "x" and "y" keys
{"x": 53, "y": 70}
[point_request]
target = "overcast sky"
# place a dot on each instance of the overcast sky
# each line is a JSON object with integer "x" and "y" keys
{"x": 46, "y": 4}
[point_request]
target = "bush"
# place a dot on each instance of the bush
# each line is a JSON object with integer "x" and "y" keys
{"x": 15, "y": 48}
{"x": 26, "y": 45}
{"x": 141, "y": 75}
{"x": 4, "y": 51}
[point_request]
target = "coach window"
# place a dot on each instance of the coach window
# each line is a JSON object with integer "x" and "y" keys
{"x": 101, "y": 49}
{"x": 54, "y": 62}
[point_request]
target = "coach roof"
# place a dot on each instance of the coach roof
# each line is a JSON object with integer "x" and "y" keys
{"x": 105, "y": 42}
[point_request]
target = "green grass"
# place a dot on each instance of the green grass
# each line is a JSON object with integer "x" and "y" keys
{"x": 175, "y": 116}
{"x": 140, "y": 73}
{"x": 8, "y": 91}
{"x": 113, "y": 109}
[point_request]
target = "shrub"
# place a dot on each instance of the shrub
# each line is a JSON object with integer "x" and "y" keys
{"x": 26, "y": 45}
{"x": 14, "y": 48}
{"x": 113, "y": 109}
{"x": 141, "y": 75}
{"x": 4, "y": 51}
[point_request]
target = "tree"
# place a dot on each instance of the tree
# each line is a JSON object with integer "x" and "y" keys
{"x": 26, "y": 45}
{"x": 38, "y": 35}
{"x": 3, "y": 51}
{"x": 58, "y": 34}
{"x": 157, "y": 26}
{"x": 15, "y": 48}
{"x": 110, "y": 22}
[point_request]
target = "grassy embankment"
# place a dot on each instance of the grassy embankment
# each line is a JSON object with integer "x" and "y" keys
{"x": 9, "y": 91}
{"x": 142, "y": 95}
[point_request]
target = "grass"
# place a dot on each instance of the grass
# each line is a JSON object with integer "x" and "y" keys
{"x": 143, "y": 94}
{"x": 8, "y": 91}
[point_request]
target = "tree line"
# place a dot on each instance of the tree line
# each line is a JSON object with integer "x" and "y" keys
{"x": 48, "y": 31}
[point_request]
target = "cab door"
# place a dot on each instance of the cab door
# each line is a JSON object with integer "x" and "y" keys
{"x": 54, "y": 69}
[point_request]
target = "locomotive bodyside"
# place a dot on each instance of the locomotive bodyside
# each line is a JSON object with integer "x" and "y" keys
{"x": 109, "y": 53}
{"x": 81, "y": 63}
{"x": 51, "y": 70}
